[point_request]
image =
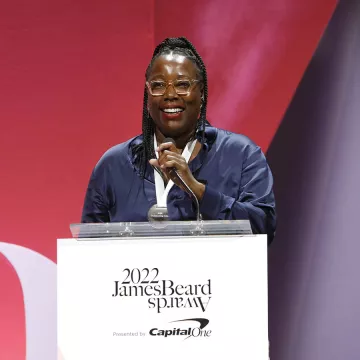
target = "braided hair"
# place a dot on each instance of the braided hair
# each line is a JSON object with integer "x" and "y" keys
{"x": 184, "y": 47}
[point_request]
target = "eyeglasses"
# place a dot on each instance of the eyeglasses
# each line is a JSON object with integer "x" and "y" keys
{"x": 182, "y": 86}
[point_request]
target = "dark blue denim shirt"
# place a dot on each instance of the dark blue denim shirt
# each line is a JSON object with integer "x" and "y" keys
{"x": 237, "y": 178}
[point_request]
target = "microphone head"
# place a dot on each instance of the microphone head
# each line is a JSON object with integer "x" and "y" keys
{"x": 169, "y": 139}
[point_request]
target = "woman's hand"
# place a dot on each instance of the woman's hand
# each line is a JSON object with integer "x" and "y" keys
{"x": 170, "y": 159}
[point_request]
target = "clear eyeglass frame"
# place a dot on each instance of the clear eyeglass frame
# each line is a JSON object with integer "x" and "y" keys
{"x": 173, "y": 84}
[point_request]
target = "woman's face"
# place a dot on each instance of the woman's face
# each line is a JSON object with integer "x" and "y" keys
{"x": 179, "y": 123}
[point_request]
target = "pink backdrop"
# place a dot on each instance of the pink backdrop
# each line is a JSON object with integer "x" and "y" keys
{"x": 72, "y": 75}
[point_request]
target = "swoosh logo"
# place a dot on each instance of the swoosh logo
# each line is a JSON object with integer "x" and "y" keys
{"x": 203, "y": 322}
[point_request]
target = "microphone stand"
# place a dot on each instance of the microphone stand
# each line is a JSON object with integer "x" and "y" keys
{"x": 199, "y": 228}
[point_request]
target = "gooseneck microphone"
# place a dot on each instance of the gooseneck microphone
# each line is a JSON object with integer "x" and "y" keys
{"x": 174, "y": 172}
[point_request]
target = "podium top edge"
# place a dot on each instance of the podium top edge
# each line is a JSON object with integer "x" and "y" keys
{"x": 160, "y": 229}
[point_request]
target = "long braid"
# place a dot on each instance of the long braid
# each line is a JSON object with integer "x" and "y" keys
{"x": 183, "y": 47}
{"x": 148, "y": 131}
{"x": 201, "y": 65}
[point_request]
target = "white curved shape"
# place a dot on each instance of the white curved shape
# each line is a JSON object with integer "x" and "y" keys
{"x": 37, "y": 276}
{"x": 60, "y": 355}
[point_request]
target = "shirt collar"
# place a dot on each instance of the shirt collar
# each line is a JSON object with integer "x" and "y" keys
{"x": 135, "y": 151}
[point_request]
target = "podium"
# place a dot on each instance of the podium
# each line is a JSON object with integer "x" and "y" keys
{"x": 174, "y": 290}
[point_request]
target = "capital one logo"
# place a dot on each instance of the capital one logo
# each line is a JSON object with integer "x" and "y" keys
{"x": 37, "y": 276}
{"x": 191, "y": 331}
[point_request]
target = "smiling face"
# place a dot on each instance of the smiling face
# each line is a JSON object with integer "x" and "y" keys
{"x": 174, "y": 115}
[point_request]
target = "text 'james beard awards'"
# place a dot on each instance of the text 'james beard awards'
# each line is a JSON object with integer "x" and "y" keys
{"x": 162, "y": 294}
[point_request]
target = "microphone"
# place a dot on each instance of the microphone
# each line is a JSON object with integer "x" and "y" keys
{"x": 174, "y": 172}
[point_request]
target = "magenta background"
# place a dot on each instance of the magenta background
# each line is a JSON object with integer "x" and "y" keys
{"x": 71, "y": 86}
{"x": 72, "y": 77}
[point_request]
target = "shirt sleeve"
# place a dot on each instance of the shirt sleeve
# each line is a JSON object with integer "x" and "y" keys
{"x": 95, "y": 209}
{"x": 255, "y": 200}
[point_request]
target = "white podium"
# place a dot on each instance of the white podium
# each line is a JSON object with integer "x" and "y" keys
{"x": 198, "y": 295}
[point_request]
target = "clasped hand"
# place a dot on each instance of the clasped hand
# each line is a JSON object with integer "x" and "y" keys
{"x": 169, "y": 159}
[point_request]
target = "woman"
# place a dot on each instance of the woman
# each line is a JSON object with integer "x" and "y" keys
{"x": 226, "y": 172}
